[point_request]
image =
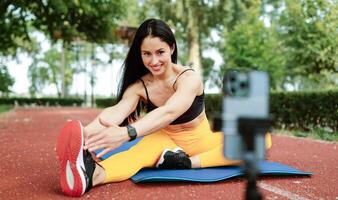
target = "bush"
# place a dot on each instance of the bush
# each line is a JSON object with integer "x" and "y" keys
{"x": 42, "y": 101}
{"x": 5, "y": 108}
{"x": 290, "y": 110}
{"x": 105, "y": 102}
{"x": 295, "y": 110}
{"x": 213, "y": 105}
{"x": 305, "y": 110}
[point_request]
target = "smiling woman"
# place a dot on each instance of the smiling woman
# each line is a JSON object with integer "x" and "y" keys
{"x": 156, "y": 54}
{"x": 175, "y": 128}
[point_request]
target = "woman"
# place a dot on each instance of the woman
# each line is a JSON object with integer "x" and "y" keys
{"x": 175, "y": 129}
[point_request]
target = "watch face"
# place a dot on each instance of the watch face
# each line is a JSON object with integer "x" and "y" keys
{"x": 131, "y": 132}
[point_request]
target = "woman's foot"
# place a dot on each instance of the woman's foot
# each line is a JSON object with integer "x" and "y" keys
{"x": 76, "y": 165}
{"x": 174, "y": 159}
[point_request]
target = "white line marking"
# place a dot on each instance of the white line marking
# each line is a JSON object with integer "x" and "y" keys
{"x": 281, "y": 192}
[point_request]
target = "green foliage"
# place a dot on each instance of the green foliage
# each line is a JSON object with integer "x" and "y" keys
{"x": 136, "y": 13}
{"x": 5, "y": 108}
{"x": 304, "y": 110}
{"x": 314, "y": 82}
{"x": 213, "y": 104}
{"x": 235, "y": 11}
{"x": 47, "y": 70}
{"x": 314, "y": 132}
{"x": 42, "y": 101}
{"x": 324, "y": 134}
{"x": 299, "y": 133}
{"x": 6, "y": 80}
{"x": 298, "y": 45}
{"x": 252, "y": 45}
{"x": 105, "y": 102}
{"x": 308, "y": 29}
{"x": 207, "y": 64}
{"x": 63, "y": 19}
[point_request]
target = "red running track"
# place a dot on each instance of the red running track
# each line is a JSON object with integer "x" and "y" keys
{"x": 29, "y": 168}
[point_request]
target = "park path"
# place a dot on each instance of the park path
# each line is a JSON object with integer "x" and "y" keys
{"x": 29, "y": 168}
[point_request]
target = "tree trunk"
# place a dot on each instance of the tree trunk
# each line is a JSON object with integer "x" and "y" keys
{"x": 92, "y": 76}
{"x": 58, "y": 91}
{"x": 63, "y": 71}
{"x": 194, "y": 58}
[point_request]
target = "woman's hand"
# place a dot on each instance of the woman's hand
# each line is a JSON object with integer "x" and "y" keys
{"x": 109, "y": 138}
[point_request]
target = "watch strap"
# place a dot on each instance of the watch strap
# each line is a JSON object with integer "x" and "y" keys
{"x": 131, "y": 132}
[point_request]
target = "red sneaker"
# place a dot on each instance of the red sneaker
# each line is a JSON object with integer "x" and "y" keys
{"x": 76, "y": 165}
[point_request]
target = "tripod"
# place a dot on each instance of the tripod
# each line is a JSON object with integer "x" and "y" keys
{"x": 251, "y": 129}
{"x": 251, "y": 172}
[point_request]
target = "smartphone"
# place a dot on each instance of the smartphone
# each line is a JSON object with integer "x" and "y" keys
{"x": 245, "y": 96}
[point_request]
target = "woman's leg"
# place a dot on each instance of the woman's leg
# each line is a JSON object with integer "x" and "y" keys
{"x": 99, "y": 175}
{"x": 123, "y": 165}
{"x": 205, "y": 147}
{"x": 215, "y": 156}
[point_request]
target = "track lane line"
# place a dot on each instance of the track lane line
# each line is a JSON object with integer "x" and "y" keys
{"x": 281, "y": 192}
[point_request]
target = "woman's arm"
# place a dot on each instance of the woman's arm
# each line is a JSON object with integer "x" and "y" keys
{"x": 115, "y": 114}
{"x": 114, "y": 136}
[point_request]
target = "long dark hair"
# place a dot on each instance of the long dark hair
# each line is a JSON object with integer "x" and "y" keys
{"x": 133, "y": 67}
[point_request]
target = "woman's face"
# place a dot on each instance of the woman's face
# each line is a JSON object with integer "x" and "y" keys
{"x": 156, "y": 54}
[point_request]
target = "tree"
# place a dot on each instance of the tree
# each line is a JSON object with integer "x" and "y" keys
{"x": 64, "y": 19}
{"x": 46, "y": 70}
{"x": 251, "y": 44}
{"x": 308, "y": 29}
{"x": 6, "y": 80}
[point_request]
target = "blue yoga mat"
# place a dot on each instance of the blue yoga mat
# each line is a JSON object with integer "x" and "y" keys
{"x": 202, "y": 175}
{"x": 123, "y": 147}
{"x": 211, "y": 174}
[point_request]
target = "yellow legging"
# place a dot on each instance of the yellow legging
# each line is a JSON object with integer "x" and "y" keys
{"x": 200, "y": 141}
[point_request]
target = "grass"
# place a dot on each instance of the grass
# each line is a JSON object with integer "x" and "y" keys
{"x": 5, "y": 108}
{"x": 315, "y": 133}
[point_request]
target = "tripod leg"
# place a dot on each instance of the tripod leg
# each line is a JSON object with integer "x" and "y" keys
{"x": 252, "y": 192}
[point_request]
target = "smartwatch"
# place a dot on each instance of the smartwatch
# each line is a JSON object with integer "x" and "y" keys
{"x": 131, "y": 132}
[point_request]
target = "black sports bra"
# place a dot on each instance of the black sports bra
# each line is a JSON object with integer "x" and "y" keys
{"x": 195, "y": 109}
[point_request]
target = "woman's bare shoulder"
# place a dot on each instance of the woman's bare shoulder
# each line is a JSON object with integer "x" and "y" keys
{"x": 135, "y": 88}
{"x": 190, "y": 77}
{"x": 191, "y": 73}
